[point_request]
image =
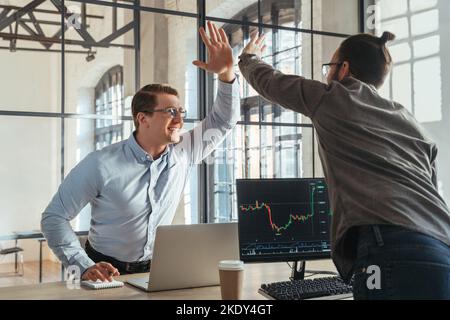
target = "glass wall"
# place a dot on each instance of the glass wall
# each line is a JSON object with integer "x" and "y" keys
{"x": 70, "y": 69}
{"x": 271, "y": 142}
{"x": 420, "y": 77}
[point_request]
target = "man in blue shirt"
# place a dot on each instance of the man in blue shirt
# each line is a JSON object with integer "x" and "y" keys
{"x": 135, "y": 185}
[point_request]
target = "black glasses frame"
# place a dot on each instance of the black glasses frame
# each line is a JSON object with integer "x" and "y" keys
{"x": 326, "y": 67}
{"x": 172, "y": 111}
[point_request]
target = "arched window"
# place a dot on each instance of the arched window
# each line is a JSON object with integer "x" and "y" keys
{"x": 109, "y": 101}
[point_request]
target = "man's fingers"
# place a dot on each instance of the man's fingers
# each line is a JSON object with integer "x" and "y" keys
{"x": 254, "y": 36}
{"x": 109, "y": 270}
{"x": 212, "y": 33}
{"x": 107, "y": 266}
{"x": 106, "y": 273}
{"x": 223, "y": 35}
{"x": 205, "y": 37}
{"x": 86, "y": 275}
{"x": 216, "y": 31}
{"x": 96, "y": 274}
{"x": 260, "y": 39}
{"x": 264, "y": 47}
{"x": 200, "y": 64}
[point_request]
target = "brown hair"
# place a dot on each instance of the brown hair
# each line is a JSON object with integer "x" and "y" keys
{"x": 368, "y": 57}
{"x": 146, "y": 99}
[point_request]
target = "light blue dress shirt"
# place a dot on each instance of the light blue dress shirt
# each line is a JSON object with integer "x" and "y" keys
{"x": 129, "y": 192}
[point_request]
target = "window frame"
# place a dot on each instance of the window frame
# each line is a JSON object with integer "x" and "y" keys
{"x": 203, "y": 81}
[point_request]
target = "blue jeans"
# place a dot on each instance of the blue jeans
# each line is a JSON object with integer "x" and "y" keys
{"x": 395, "y": 263}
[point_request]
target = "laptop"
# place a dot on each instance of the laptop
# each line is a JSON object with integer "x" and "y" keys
{"x": 187, "y": 256}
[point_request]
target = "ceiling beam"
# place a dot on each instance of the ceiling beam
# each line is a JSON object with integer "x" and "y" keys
{"x": 81, "y": 31}
{"x": 46, "y": 50}
{"x": 9, "y": 36}
{"x": 4, "y": 14}
{"x": 33, "y": 33}
{"x": 20, "y": 13}
{"x": 91, "y": 16}
{"x": 38, "y": 28}
{"x": 118, "y": 33}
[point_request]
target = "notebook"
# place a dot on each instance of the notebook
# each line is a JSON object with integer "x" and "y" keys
{"x": 102, "y": 284}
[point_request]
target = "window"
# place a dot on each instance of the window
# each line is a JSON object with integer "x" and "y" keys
{"x": 270, "y": 141}
{"x": 109, "y": 101}
{"x": 82, "y": 80}
{"x": 419, "y": 78}
{"x": 416, "y": 54}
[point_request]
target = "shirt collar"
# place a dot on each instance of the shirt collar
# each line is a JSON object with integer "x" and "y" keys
{"x": 140, "y": 154}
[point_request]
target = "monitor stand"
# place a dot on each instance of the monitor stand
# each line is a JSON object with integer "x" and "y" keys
{"x": 298, "y": 271}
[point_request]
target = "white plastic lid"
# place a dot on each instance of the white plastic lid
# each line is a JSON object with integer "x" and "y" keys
{"x": 231, "y": 265}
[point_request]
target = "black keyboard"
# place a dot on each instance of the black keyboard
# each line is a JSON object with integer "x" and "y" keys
{"x": 331, "y": 287}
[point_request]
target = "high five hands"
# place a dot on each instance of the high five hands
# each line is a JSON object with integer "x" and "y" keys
{"x": 220, "y": 55}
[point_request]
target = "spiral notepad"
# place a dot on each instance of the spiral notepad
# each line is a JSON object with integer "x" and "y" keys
{"x": 102, "y": 284}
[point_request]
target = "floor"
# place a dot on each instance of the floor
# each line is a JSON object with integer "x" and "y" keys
{"x": 51, "y": 272}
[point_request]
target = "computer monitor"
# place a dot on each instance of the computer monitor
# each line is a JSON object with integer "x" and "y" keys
{"x": 283, "y": 219}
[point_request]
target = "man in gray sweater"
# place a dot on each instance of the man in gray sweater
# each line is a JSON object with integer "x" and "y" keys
{"x": 379, "y": 165}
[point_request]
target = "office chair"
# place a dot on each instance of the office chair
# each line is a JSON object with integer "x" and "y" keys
{"x": 19, "y": 262}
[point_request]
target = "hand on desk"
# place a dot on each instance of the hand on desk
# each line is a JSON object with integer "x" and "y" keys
{"x": 100, "y": 271}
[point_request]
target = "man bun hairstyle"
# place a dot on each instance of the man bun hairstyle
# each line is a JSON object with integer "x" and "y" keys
{"x": 368, "y": 57}
{"x": 146, "y": 100}
{"x": 386, "y": 37}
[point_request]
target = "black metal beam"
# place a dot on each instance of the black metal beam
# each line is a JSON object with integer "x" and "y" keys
{"x": 28, "y": 29}
{"x": 4, "y": 14}
{"x": 91, "y": 16}
{"x": 278, "y": 27}
{"x": 32, "y": 33}
{"x": 36, "y": 24}
{"x": 46, "y": 50}
{"x": 203, "y": 178}
{"x": 81, "y": 31}
{"x": 59, "y": 33}
{"x": 20, "y": 13}
{"x": 217, "y": 19}
{"x": 63, "y": 94}
{"x": 85, "y": 44}
{"x": 42, "y": 22}
{"x": 137, "y": 45}
{"x": 114, "y": 17}
{"x": 140, "y": 8}
{"x": 117, "y": 33}
{"x": 71, "y": 115}
{"x": 83, "y": 16}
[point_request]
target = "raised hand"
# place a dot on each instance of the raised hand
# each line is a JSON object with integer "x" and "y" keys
{"x": 220, "y": 55}
{"x": 256, "y": 45}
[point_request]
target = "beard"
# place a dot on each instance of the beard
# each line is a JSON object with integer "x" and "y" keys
{"x": 335, "y": 75}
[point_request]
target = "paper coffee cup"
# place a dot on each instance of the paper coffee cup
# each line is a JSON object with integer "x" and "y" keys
{"x": 231, "y": 274}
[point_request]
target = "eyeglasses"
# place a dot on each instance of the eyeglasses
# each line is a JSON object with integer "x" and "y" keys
{"x": 327, "y": 66}
{"x": 173, "y": 112}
